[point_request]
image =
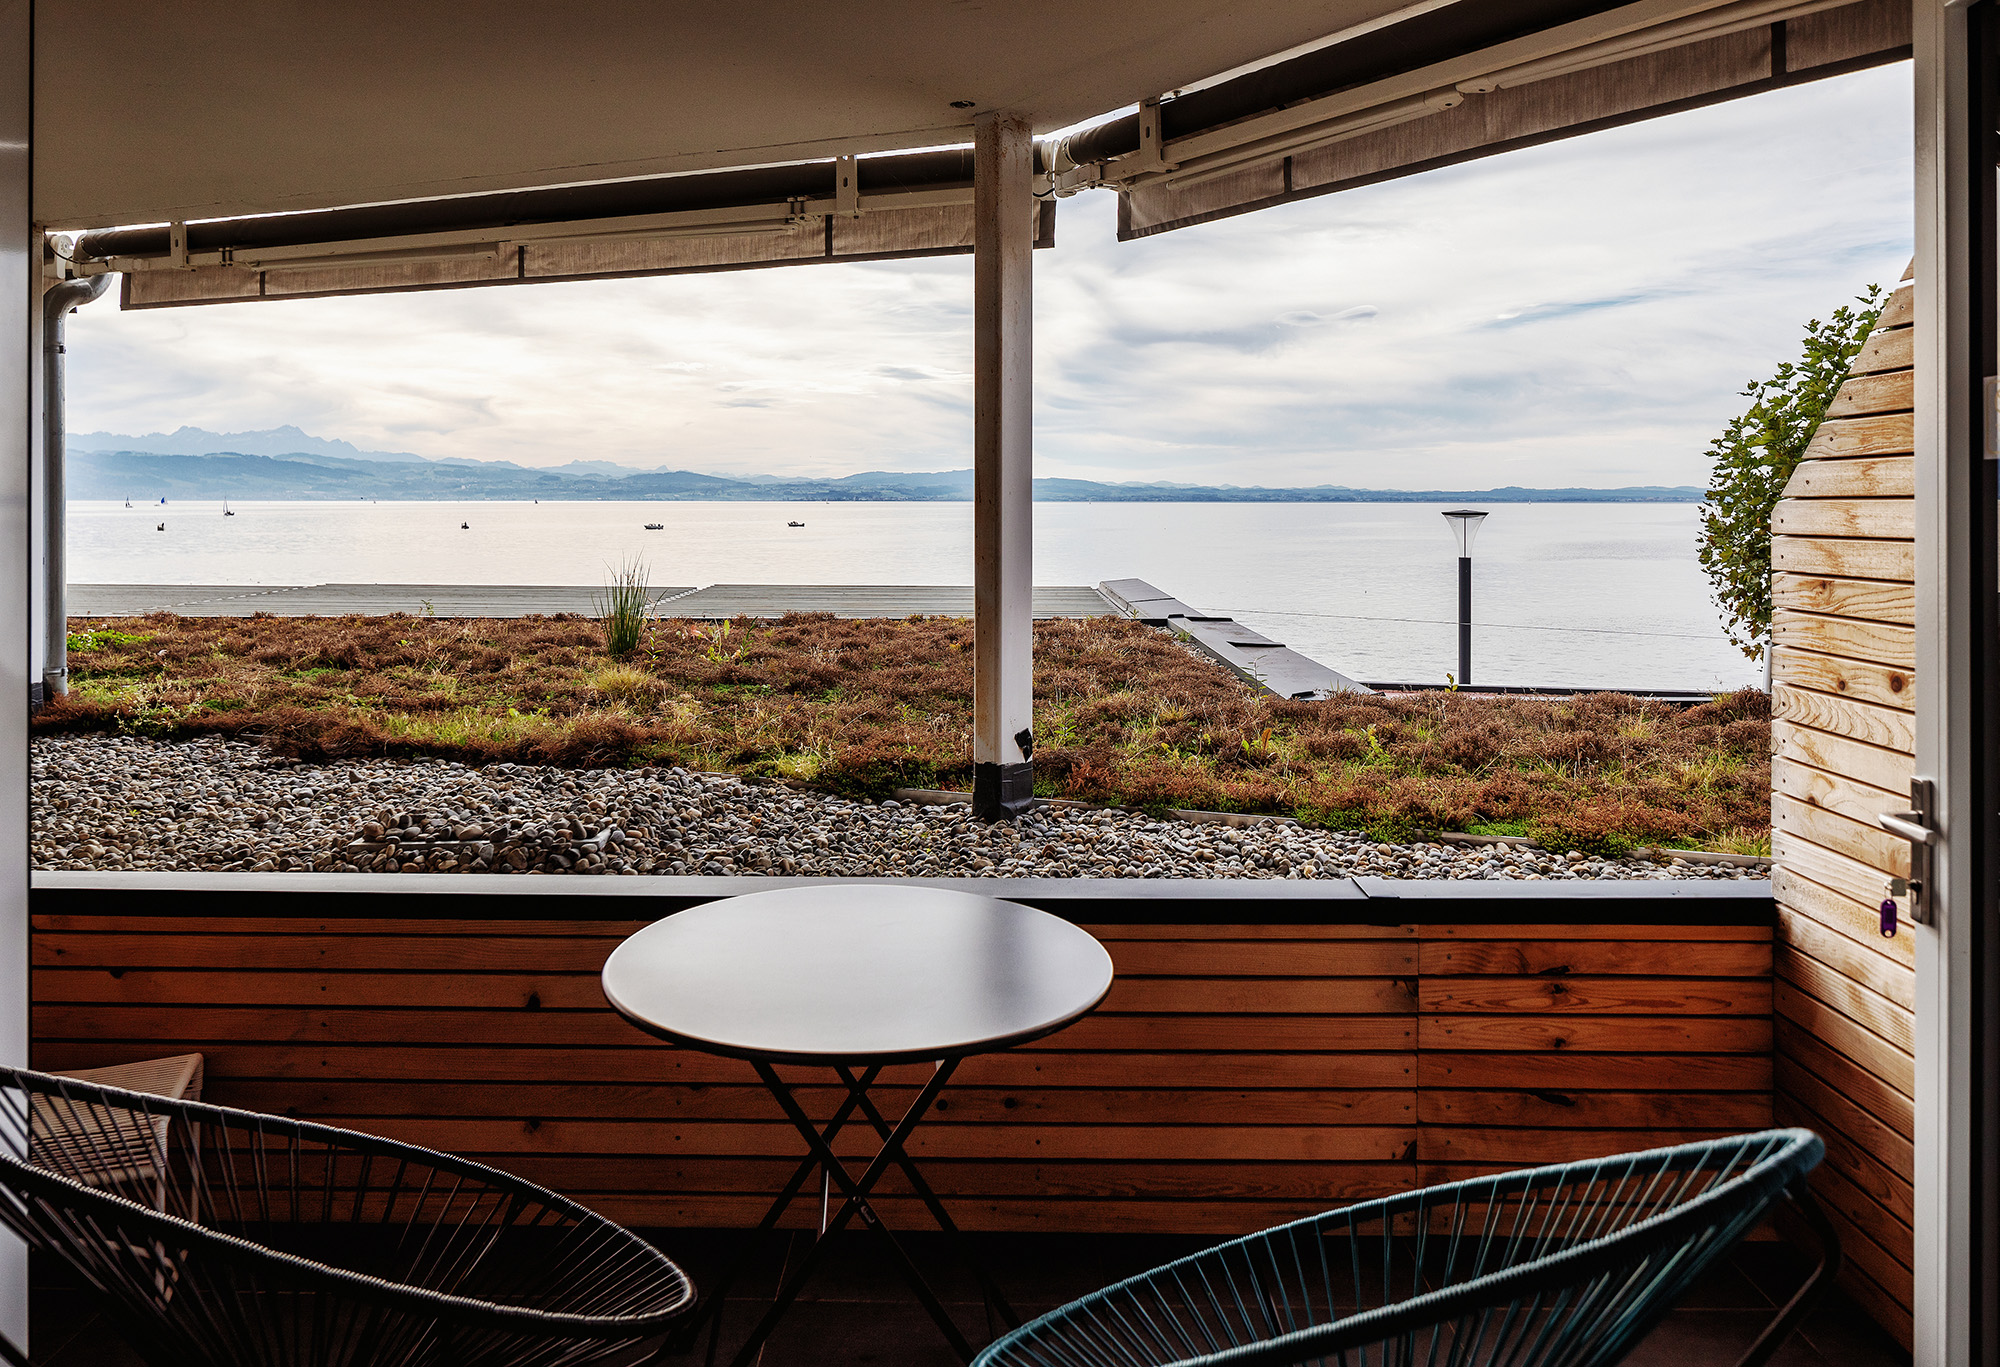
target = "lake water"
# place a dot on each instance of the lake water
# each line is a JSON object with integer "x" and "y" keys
{"x": 1606, "y": 595}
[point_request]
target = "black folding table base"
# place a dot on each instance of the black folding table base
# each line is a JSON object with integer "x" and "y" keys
{"x": 855, "y": 1192}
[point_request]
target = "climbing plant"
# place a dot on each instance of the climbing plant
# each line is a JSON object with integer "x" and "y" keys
{"x": 1754, "y": 457}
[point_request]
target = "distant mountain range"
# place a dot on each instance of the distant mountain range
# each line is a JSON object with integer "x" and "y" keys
{"x": 285, "y": 462}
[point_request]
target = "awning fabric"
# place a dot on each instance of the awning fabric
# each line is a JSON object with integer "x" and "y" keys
{"x": 880, "y": 235}
{"x": 850, "y": 209}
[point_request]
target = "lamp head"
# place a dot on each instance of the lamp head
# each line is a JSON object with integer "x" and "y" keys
{"x": 1465, "y": 526}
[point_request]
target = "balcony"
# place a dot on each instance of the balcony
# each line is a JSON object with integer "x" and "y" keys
{"x": 1266, "y": 1052}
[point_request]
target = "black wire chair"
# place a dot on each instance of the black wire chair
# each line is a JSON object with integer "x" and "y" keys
{"x": 227, "y": 1237}
{"x": 1565, "y": 1266}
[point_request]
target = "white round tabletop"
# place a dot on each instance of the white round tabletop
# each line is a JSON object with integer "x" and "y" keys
{"x": 856, "y": 973}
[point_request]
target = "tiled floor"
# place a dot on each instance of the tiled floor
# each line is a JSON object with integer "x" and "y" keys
{"x": 857, "y": 1313}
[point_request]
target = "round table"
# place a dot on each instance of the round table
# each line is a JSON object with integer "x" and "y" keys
{"x": 857, "y": 977}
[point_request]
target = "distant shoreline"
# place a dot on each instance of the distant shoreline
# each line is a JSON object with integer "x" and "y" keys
{"x": 145, "y": 477}
{"x": 1551, "y": 496}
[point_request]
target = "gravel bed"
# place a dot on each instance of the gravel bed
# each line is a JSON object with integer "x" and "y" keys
{"x": 103, "y": 802}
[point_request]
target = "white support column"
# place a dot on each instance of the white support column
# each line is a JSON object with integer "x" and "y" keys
{"x": 20, "y": 331}
{"x": 1003, "y": 210}
{"x": 1947, "y": 1282}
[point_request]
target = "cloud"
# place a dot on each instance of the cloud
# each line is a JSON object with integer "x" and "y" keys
{"x": 1582, "y": 312}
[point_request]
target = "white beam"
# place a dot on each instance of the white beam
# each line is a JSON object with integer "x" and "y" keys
{"x": 1947, "y": 1020}
{"x": 1003, "y": 209}
{"x": 20, "y": 331}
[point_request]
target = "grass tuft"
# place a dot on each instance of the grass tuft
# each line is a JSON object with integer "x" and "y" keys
{"x": 625, "y": 605}
{"x": 626, "y": 683}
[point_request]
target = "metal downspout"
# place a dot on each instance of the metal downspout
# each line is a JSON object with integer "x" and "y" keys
{"x": 56, "y": 306}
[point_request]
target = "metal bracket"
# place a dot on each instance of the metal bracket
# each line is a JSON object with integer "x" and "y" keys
{"x": 1076, "y": 179}
{"x": 57, "y": 265}
{"x": 177, "y": 246}
{"x": 1919, "y": 827}
{"x": 1149, "y": 159}
{"x": 846, "y": 187}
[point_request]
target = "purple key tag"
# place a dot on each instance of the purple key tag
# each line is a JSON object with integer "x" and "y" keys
{"x": 1889, "y": 917}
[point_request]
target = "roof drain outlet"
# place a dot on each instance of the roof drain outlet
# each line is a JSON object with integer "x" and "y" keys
{"x": 56, "y": 306}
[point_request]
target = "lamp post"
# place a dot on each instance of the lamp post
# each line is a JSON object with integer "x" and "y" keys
{"x": 1464, "y": 526}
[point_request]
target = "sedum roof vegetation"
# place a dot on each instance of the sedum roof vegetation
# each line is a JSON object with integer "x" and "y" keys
{"x": 1124, "y": 714}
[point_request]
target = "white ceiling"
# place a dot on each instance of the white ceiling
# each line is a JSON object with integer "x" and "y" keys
{"x": 193, "y": 109}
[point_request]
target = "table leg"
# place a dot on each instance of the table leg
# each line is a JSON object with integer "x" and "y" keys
{"x": 712, "y": 1302}
{"x": 856, "y": 1191}
{"x": 858, "y": 1088}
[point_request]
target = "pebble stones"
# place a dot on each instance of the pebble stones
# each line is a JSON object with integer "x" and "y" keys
{"x": 106, "y": 802}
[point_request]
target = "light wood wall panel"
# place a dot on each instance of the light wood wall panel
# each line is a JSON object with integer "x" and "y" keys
{"x": 1236, "y": 1076}
{"x": 1843, "y": 749}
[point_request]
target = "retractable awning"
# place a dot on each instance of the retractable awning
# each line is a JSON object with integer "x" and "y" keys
{"x": 1453, "y": 83}
{"x": 849, "y": 209}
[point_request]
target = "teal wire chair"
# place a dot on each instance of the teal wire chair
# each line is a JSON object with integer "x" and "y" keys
{"x": 1565, "y": 1266}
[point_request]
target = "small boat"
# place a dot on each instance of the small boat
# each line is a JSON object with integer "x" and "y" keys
{"x": 465, "y": 526}
{"x": 225, "y": 509}
{"x": 163, "y": 503}
{"x": 128, "y": 500}
{"x": 161, "y": 528}
{"x": 795, "y": 524}
{"x": 655, "y": 526}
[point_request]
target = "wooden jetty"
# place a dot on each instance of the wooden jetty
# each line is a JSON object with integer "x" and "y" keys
{"x": 1271, "y": 665}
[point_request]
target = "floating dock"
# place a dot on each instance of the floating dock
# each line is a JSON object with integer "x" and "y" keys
{"x": 1271, "y": 665}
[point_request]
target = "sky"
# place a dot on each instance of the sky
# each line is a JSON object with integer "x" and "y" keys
{"x": 1583, "y": 313}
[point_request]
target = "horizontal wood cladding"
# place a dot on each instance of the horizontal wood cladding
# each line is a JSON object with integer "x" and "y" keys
{"x": 1836, "y": 872}
{"x": 1867, "y": 599}
{"x": 1879, "y": 518}
{"x": 1235, "y": 1077}
{"x": 1885, "y": 350}
{"x": 1883, "y": 685}
{"x": 1801, "y": 898}
{"x": 1889, "y": 727}
{"x": 1832, "y": 793}
{"x": 1876, "y": 765}
{"x": 1843, "y": 741}
{"x": 1883, "y": 974}
{"x": 1876, "y": 434}
{"x": 1859, "y": 477}
{"x": 1858, "y": 839}
{"x": 1888, "y": 393}
{"x": 1899, "y": 310}
{"x": 1847, "y": 557}
{"x": 1846, "y": 637}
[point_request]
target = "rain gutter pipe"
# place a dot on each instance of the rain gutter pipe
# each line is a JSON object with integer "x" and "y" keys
{"x": 57, "y": 304}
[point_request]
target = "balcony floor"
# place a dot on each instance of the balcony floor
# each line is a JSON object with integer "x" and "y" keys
{"x": 857, "y": 1312}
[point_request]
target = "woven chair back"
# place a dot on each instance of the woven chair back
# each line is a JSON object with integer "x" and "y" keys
{"x": 227, "y": 1237}
{"x": 1565, "y": 1266}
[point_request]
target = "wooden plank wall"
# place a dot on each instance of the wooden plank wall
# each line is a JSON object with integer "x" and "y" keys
{"x": 1237, "y": 1076}
{"x": 1843, "y": 740}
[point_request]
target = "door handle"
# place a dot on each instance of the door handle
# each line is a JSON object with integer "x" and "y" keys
{"x": 1905, "y": 825}
{"x": 1919, "y": 827}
